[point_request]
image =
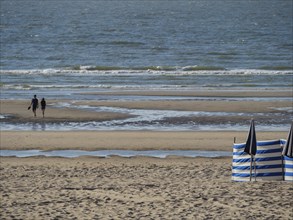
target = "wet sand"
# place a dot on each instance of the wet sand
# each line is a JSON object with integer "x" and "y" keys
{"x": 16, "y": 110}
{"x": 203, "y": 93}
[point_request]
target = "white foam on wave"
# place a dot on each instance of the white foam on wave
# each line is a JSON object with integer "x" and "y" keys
{"x": 125, "y": 72}
{"x": 284, "y": 109}
{"x": 3, "y": 116}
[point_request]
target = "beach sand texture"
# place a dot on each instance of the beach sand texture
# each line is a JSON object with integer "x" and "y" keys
{"x": 136, "y": 188}
{"x": 127, "y": 140}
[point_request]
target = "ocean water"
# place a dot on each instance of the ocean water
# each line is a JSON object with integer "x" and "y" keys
{"x": 44, "y": 34}
{"x": 69, "y": 50}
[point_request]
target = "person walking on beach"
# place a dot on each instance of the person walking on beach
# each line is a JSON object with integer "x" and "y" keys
{"x": 34, "y": 105}
{"x": 43, "y": 106}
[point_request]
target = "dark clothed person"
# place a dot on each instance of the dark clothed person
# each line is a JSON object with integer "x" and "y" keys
{"x": 34, "y": 105}
{"x": 43, "y": 106}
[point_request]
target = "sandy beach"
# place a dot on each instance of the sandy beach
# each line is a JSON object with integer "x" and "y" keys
{"x": 139, "y": 187}
{"x": 144, "y": 102}
{"x": 135, "y": 188}
{"x": 127, "y": 140}
{"x": 137, "y": 140}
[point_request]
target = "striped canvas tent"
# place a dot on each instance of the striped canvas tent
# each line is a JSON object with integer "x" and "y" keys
{"x": 288, "y": 168}
{"x": 288, "y": 156}
{"x": 268, "y": 161}
{"x": 288, "y": 165}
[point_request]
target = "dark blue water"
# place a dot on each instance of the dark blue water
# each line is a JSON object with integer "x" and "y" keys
{"x": 41, "y": 34}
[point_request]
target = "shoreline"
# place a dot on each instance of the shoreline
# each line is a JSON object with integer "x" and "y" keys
{"x": 15, "y": 111}
{"x": 142, "y": 139}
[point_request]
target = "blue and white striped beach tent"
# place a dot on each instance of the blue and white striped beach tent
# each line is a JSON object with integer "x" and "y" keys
{"x": 288, "y": 168}
{"x": 268, "y": 162}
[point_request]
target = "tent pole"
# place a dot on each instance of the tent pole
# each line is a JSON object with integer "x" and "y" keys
{"x": 250, "y": 167}
{"x": 283, "y": 171}
{"x": 254, "y": 169}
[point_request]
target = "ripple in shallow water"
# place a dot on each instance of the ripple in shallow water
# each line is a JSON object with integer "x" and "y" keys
{"x": 108, "y": 153}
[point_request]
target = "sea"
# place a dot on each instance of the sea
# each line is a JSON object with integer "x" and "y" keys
{"x": 71, "y": 49}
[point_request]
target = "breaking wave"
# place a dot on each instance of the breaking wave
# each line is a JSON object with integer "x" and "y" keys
{"x": 156, "y": 70}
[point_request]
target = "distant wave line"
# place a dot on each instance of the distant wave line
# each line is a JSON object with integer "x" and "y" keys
{"x": 152, "y": 70}
{"x": 144, "y": 86}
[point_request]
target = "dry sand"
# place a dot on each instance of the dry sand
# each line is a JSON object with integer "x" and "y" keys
{"x": 136, "y": 188}
{"x": 131, "y": 140}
